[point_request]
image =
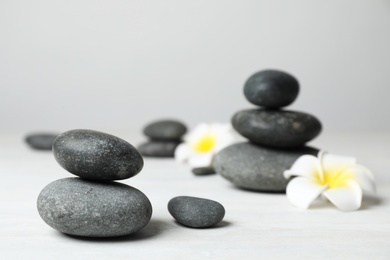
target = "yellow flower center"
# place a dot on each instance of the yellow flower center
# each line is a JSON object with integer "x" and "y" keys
{"x": 205, "y": 144}
{"x": 335, "y": 178}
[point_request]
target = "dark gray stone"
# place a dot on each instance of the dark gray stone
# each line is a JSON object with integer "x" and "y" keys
{"x": 203, "y": 171}
{"x": 41, "y": 141}
{"x": 165, "y": 130}
{"x": 96, "y": 155}
{"x": 276, "y": 128}
{"x": 271, "y": 89}
{"x": 253, "y": 167}
{"x": 196, "y": 212}
{"x": 93, "y": 209}
{"x": 158, "y": 148}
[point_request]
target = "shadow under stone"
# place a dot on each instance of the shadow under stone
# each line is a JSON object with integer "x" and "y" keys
{"x": 152, "y": 229}
{"x": 221, "y": 224}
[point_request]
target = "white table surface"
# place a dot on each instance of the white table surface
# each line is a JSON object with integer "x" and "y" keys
{"x": 256, "y": 225}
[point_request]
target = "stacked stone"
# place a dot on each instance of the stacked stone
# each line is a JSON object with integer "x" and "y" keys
{"x": 277, "y": 137}
{"x": 164, "y": 136}
{"x": 93, "y": 205}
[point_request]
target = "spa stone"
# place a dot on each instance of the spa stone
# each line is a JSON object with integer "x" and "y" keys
{"x": 196, "y": 212}
{"x": 97, "y": 156}
{"x": 41, "y": 141}
{"x": 93, "y": 209}
{"x": 257, "y": 168}
{"x": 276, "y": 128}
{"x": 271, "y": 89}
{"x": 165, "y": 130}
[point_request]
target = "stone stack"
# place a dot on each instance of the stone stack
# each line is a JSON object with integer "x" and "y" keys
{"x": 94, "y": 205}
{"x": 276, "y": 136}
{"x": 164, "y": 136}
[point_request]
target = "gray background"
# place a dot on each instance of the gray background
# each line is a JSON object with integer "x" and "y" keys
{"x": 116, "y": 65}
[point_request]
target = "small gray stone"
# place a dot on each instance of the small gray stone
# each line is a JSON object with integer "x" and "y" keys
{"x": 165, "y": 130}
{"x": 276, "y": 128}
{"x": 196, "y": 212}
{"x": 41, "y": 141}
{"x": 158, "y": 148}
{"x": 96, "y": 155}
{"x": 253, "y": 167}
{"x": 203, "y": 171}
{"x": 271, "y": 89}
{"x": 92, "y": 209}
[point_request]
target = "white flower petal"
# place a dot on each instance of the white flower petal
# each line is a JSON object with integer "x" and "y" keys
{"x": 200, "y": 160}
{"x": 306, "y": 166}
{"x": 301, "y": 192}
{"x": 362, "y": 176}
{"x": 182, "y": 152}
{"x": 347, "y": 198}
{"x": 199, "y": 131}
{"x": 335, "y": 163}
{"x": 223, "y": 141}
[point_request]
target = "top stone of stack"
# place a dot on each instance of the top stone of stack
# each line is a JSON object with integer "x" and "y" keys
{"x": 97, "y": 156}
{"x": 271, "y": 89}
{"x": 165, "y": 130}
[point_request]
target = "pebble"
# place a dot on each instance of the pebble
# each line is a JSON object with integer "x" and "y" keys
{"x": 165, "y": 130}
{"x": 41, "y": 141}
{"x": 158, "y": 148}
{"x": 257, "y": 168}
{"x": 203, "y": 171}
{"x": 196, "y": 212}
{"x": 271, "y": 89}
{"x": 276, "y": 128}
{"x": 97, "y": 156}
{"x": 93, "y": 209}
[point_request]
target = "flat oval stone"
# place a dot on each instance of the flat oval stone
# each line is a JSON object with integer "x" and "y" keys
{"x": 276, "y": 128}
{"x": 93, "y": 209}
{"x": 97, "y": 156}
{"x": 200, "y": 171}
{"x": 196, "y": 212}
{"x": 158, "y": 148}
{"x": 165, "y": 130}
{"x": 41, "y": 141}
{"x": 271, "y": 89}
{"x": 253, "y": 167}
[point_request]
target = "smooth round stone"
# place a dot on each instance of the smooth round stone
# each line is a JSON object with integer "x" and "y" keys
{"x": 165, "y": 130}
{"x": 93, "y": 209}
{"x": 253, "y": 167}
{"x": 276, "y": 128}
{"x": 271, "y": 89}
{"x": 96, "y": 155}
{"x": 158, "y": 149}
{"x": 203, "y": 171}
{"x": 196, "y": 212}
{"x": 41, "y": 141}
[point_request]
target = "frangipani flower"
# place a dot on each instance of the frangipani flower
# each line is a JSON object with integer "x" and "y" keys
{"x": 337, "y": 178}
{"x": 201, "y": 144}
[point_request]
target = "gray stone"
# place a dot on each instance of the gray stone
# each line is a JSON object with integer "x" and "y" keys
{"x": 276, "y": 128}
{"x": 96, "y": 156}
{"x": 165, "y": 130}
{"x": 253, "y": 167}
{"x": 271, "y": 89}
{"x": 41, "y": 141}
{"x": 93, "y": 209}
{"x": 196, "y": 212}
{"x": 158, "y": 148}
{"x": 203, "y": 171}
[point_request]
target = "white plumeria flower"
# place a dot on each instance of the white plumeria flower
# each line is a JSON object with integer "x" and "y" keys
{"x": 337, "y": 178}
{"x": 201, "y": 144}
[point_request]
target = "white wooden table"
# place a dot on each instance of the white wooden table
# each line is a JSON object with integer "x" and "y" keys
{"x": 256, "y": 225}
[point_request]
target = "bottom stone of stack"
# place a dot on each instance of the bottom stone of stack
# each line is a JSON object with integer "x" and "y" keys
{"x": 93, "y": 209}
{"x": 257, "y": 168}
